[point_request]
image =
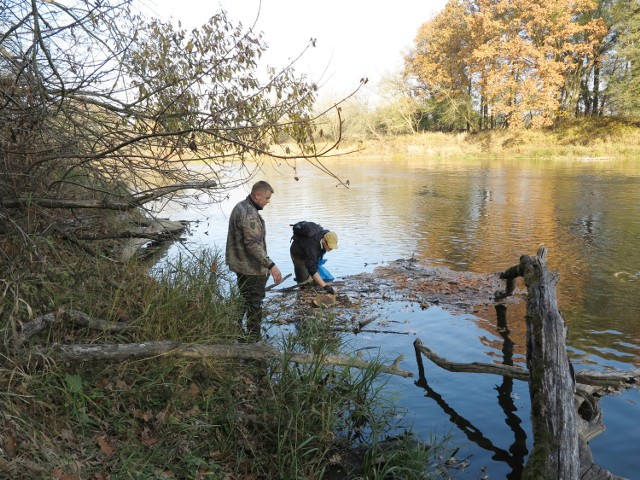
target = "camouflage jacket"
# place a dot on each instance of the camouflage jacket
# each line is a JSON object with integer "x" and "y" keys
{"x": 246, "y": 250}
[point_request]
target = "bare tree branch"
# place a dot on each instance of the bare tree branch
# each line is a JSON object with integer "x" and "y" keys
{"x": 134, "y": 202}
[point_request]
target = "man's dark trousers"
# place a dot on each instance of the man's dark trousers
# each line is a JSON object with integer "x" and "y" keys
{"x": 252, "y": 291}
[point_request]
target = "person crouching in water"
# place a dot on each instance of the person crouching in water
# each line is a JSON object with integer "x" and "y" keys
{"x": 306, "y": 251}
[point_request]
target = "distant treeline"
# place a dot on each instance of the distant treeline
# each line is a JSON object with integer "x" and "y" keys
{"x": 481, "y": 64}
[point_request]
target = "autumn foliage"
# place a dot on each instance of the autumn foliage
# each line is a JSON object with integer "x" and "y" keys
{"x": 490, "y": 63}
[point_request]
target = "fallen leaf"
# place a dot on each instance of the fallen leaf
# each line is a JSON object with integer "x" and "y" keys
{"x": 104, "y": 446}
{"x": 59, "y": 474}
{"x": 149, "y": 442}
{"x": 11, "y": 445}
{"x": 162, "y": 416}
{"x": 147, "y": 439}
{"x": 106, "y": 384}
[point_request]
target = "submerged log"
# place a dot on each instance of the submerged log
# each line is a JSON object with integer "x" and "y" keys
{"x": 147, "y": 232}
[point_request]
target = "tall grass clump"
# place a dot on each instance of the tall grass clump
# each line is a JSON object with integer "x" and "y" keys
{"x": 332, "y": 421}
{"x": 189, "y": 299}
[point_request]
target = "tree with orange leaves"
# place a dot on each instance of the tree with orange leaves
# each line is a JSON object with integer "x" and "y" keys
{"x": 438, "y": 67}
{"x": 513, "y": 60}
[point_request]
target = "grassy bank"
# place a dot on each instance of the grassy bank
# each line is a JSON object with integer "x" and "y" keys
{"x": 176, "y": 417}
{"x": 579, "y": 139}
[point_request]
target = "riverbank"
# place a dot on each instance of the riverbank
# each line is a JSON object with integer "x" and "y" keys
{"x": 112, "y": 410}
{"x": 579, "y": 140}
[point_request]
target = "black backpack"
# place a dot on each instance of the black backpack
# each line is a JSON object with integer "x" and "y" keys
{"x": 306, "y": 229}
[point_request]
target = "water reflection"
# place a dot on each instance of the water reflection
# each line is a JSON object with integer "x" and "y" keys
{"x": 518, "y": 448}
{"x": 517, "y": 453}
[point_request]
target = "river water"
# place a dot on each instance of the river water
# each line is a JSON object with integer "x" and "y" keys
{"x": 476, "y": 216}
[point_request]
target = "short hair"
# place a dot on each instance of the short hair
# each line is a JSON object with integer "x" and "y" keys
{"x": 261, "y": 186}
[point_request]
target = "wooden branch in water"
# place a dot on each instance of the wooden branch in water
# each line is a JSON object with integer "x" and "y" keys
{"x": 583, "y": 377}
{"x": 148, "y": 232}
{"x": 137, "y": 351}
{"x": 366, "y": 321}
{"x": 356, "y": 331}
{"x": 474, "y": 367}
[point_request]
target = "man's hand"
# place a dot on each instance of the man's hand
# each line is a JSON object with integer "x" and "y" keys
{"x": 329, "y": 289}
{"x": 277, "y": 275}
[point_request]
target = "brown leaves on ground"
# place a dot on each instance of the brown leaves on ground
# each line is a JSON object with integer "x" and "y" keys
{"x": 104, "y": 445}
{"x": 407, "y": 280}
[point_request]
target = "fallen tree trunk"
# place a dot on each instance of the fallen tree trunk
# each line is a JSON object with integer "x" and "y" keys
{"x": 76, "y": 317}
{"x": 127, "y": 204}
{"x": 148, "y": 232}
{"x": 136, "y": 351}
{"x": 615, "y": 380}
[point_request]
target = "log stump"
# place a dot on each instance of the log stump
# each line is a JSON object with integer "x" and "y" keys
{"x": 559, "y": 451}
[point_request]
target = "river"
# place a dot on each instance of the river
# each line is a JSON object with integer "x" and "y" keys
{"x": 476, "y": 216}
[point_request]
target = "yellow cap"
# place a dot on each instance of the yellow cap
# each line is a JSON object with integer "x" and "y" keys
{"x": 332, "y": 240}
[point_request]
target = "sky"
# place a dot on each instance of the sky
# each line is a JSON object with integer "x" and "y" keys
{"x": 354, "y": 38}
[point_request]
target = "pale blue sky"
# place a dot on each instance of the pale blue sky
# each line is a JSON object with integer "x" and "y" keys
{"x": 355, "y": 38}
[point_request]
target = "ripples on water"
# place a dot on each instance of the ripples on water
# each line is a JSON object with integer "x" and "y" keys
{"x": 480, "y": 216}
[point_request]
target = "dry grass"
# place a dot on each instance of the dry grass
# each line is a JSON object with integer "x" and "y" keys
{"x": 578, "y": 139}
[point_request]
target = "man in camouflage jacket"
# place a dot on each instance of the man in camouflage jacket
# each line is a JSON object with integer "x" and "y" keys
{"x": 246, "y": 254}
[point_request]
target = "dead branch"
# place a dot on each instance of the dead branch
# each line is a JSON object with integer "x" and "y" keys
{"x": 76, "y": 317}
{"x": 127, "y": 234}
{"x": 366, "y": 321}
{"x": 474, "y": 367}
{"x": 356, "y": 330}
{"x": 355, "y": 362}
{"x": 137, "y": 351}
{"x": 148, "y": 231}
{"x": 584, "y": 377}
{"x": 276, "y": 284}
{"x": 130, "y": 203}
{"x": 124, "y": 352}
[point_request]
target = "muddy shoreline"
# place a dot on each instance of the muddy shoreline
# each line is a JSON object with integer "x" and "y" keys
{"x": 360, "y": 298}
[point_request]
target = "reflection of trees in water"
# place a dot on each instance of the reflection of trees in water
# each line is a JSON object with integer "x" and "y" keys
{"x": 517, "y": 452}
